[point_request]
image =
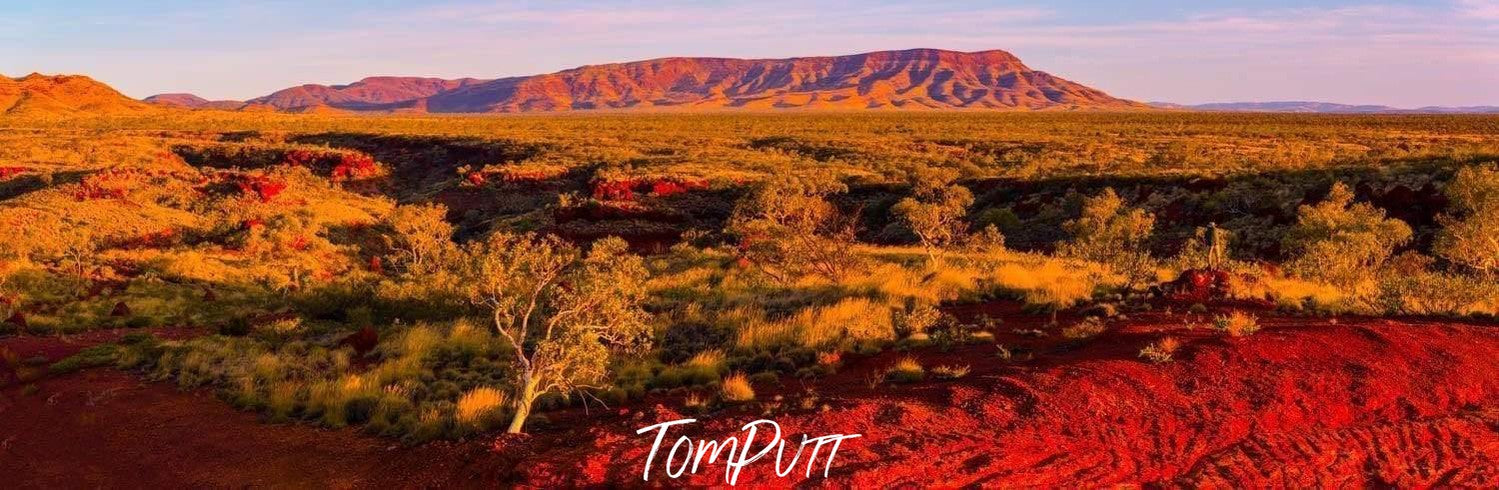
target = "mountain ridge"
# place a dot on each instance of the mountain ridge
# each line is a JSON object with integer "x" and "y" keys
{"x": 926, "y": 79}
{"x": 1314, "y": 107}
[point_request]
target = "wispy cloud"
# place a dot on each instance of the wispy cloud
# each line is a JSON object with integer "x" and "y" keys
{"x": 1479, "y": 9}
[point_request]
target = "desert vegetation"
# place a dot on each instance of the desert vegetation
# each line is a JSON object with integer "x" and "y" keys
{"x": 427, "y": 278}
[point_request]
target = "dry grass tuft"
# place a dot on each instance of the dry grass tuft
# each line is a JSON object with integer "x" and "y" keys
{"x": 1088, "y": 328}
{"x": 1237, "y": 324}
{"x": 736, "y": 388}
{"x": 950, "y": 372}
{"x": 1161, "y": 350}
{"x": 479, "y": 404}
{"x": 906, "y": 370}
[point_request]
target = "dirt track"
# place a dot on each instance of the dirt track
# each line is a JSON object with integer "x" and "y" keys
{"x": 1305, "y": 402}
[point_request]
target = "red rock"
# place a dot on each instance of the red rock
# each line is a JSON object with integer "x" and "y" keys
{"x": 120, "y": 309}
{"x": 363, "y": 341}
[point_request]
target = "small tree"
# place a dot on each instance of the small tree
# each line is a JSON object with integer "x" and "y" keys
{"x": 561, "y": 310}
{"x": 1341, "y": 242}
{"x": 788, "y": 229}
{"x": 75, "y": 245}
{"x": 935, "y": 210}
{"x": 422, "y": 236}
{"x": 1110, "y": 233}
{"x": 1470, "y": 235}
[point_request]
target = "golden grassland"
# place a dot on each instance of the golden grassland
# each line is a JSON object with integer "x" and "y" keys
{"x": 981, "y": 144}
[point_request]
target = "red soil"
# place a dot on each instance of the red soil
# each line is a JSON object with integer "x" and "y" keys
{"x": 104, "y": 428}
{"x": 1304, "y": 402}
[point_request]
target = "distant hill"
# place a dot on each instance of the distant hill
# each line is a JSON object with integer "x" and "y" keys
{"x": 1323, "y": 108}
{"x": 369, "y": 94}
{"x": 190, "y": 101}
{"x": 43, "y": 95}
{"x": 928, "y": 79}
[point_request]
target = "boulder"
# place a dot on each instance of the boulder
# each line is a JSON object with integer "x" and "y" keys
{"x": 17, "y": 320}
{"x": 120, "y": 309}
{"x": 363, "y": 341}
{"x": 1200, "y": 285}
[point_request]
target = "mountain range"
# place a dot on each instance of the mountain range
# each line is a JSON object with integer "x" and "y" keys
{"x": 915, "y": 79}
{"x": 910, "y": 79}
{"x": 1324, "y": 108}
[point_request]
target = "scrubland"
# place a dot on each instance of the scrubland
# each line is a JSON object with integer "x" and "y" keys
{"x": 443, "y": 277}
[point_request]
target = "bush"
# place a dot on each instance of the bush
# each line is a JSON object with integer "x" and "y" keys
{"x": 99, "y": 355}
{"x": 1237, "y": 324}
{"x": 917, "y": 318}
{"x": 695, "y": 402}
{"x": 1467, "y": 236}
{"x": 1108, "y": 232}
{"x": 736, "y": 389}
{"x": 765, "y": 377}
{"x": 1088, "y": 328}
{"x": 1342, "y": 242}
{"x": 906, "y": 370}
{"x": 683, "y": 340}
{"x": 949, "y": 372}
{"x": 1161, "y": 351}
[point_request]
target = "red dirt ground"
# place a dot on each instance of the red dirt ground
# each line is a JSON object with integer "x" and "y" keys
{"x": 1305, "y": 402}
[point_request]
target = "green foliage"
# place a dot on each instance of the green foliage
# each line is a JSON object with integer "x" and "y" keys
{"x": 1423, "y": 292}
{"x": 163, "y": 225}
{"x": 1111, "y": 233}
{"x": 788, "y": 229}
{"x": 96, "y": 356}
{"x": 935, "y": 210}
{"x": 1470, "y": 235}
{"x": 558, "y": 309}
{"x": 1342, "y": 242}
{"x": 422, "y": 238}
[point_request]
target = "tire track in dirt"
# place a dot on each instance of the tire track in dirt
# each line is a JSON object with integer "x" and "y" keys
{"x": 1368, "y": 402}
{"x": 1447, "y": 451}
{"x": 1302, "y": 403}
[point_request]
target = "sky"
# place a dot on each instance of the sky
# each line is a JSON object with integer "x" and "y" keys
{"x": 1402, "y": 53}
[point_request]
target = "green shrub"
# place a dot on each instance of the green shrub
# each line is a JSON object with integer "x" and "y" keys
{"x": 96, "y": 356}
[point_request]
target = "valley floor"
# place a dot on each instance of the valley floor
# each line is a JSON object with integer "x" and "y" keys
{"x": 1307, "y": 401}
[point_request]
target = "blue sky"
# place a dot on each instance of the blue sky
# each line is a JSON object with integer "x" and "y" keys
{"x": 1402, "y": 53}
